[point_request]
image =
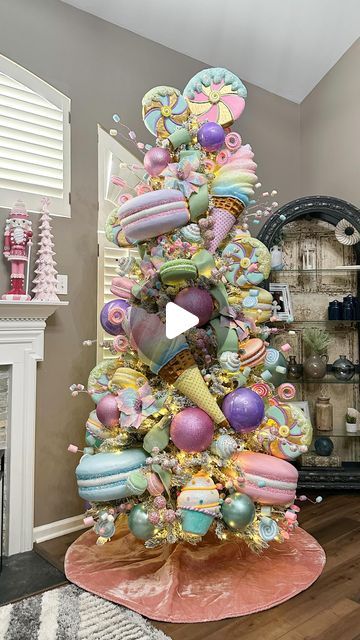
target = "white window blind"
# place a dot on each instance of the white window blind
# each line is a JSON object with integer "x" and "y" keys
{"x": 111, "y": 156}
{"x": 34, "y": 141}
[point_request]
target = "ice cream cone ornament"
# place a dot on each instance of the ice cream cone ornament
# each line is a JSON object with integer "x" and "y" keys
{"x": 190, "y": 430}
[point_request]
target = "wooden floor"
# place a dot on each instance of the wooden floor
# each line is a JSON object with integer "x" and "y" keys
{"x": 328, "y": 610}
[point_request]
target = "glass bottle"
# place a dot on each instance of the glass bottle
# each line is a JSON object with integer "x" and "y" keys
{"x": 323, "y": 414}
{"x": 294, "y": 369}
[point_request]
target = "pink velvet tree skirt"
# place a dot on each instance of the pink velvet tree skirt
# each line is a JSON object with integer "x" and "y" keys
{"x": 182, "y": 583}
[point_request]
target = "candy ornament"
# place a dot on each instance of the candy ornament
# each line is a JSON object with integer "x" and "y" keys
{"x": 96, "y": 433}
{"x": 244, "y": 409}
{"x": 232, "y": 190}
{"x": 265, "y": 479}
{"x": 287, "y": 433}
{"x": 250, "y": 261}
{"x": 224, "y": 446}
{"x": 216, "y": 95}
{"x": 99, "y": 378}
{"x": 139, "y": 524}
{"x": 238, "y": 511}
{"x": 112, "y": 316}
{"x": 268, "y": 529}
{"x": 192, "y": 430}
{"x": 199, "y": 504}
{"x": 164, "y": 109}
{"x": 103, "y": 477}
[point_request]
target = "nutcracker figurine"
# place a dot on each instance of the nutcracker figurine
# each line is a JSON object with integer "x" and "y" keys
{"x": 17, "y": 244}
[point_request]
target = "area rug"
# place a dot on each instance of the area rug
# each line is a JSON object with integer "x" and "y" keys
{"x": 69, "y": 613}
{"x": 185, "y": 583}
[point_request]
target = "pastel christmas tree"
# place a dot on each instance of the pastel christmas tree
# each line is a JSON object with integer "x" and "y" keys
{"x": 45, "y": 281}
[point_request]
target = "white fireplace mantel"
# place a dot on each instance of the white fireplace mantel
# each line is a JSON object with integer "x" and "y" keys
{"x": 22, "y": 326}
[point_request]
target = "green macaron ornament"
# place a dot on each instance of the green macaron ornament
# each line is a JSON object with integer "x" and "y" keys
{"x": 176, "y": 271}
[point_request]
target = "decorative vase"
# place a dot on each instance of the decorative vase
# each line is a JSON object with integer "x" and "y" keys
{"x": 323, "y": 414}
{"x": 343, "y": 368}
{"x": 315, "y": 365}
{"x": 276, "y": 258}
{"x": 294, "y": 369}
{"x": 351, "y": 427}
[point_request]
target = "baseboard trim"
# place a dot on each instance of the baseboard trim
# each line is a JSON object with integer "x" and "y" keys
{"x": 58, "y": 528}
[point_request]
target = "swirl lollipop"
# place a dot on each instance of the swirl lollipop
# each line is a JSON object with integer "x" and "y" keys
{"x": 268, "y": 529}
{"x": 216, "y": 95}
{"x": 164, "y": 109}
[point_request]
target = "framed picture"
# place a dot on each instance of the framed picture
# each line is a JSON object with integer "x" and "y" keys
{"x": 303, "y": 406}
{"x": 282, "y": 301}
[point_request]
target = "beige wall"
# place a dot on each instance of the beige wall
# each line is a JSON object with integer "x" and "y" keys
{"x": 105, "y": 69}
{"x": 330, "y": 132}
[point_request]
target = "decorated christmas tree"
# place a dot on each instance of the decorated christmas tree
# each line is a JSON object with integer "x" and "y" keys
{"x": 45, "y": 280}
{"x": 192, "y": 435}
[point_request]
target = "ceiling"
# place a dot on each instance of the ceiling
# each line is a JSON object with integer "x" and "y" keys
{"x": 284, "y": 46}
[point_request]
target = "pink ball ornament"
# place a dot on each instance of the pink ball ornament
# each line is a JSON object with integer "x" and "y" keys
{"x": 155, "y": 160}
{"x": 192, "y": 430}
{"x": 108, "y": 411}
{"x": 196, "y": 301}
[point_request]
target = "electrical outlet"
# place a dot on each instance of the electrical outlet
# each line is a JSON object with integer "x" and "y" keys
{"x": 62, "y": 284}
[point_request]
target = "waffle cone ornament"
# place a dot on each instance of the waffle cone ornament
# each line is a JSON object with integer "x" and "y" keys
{"x": 224, "y": 215}
{"x": 184, "y": 374}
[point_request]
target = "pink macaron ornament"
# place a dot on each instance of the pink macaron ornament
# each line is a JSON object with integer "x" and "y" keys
{"x": 192, "y": 430}
{"x": 266, "y": 479}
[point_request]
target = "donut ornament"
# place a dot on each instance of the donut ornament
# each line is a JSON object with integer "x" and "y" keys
{"x": 216, "y": 95}
{"x": 163, "y": 110}
{"x": 250, "y": 261}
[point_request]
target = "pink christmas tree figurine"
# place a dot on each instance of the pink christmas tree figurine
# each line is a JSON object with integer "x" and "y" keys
{"x": 17, "y": 244}
{"x": 45, "y": 281}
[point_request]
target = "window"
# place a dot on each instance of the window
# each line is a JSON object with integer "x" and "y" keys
{"x": 112, "y": 157}
{"x": 34, "y": 141}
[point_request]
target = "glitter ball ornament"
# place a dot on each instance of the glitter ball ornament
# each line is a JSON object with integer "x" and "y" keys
{"x": 192, "y": 430}
{"x": 155, "y": 160}
{"x": 139, "y": 523}
{"x": 196, "y": 301}
{"x": 211, "y": 136}
{"x": 108, "y": 412}
{"x": 238, "y": 512}
{"x": 112, "y": 316}
{"x": 244, "y": 409}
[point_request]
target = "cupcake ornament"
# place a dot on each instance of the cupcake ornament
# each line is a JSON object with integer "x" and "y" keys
{"x": 199, "y": 502}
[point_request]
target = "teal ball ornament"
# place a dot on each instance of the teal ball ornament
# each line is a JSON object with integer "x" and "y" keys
{"x": 139, "y": 524}
{"x": 238, "y": 511}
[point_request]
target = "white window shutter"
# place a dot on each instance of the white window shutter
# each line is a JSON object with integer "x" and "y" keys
{"x": 34, "y": 141}
{"x": 111, "y": 156}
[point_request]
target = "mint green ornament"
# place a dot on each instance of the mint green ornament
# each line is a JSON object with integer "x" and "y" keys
{"x": 158, "y": 436}
{"x": 238, "y": 512}
{"x": 139, "y": 524}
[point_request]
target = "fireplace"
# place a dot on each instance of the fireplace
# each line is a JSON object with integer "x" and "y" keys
{"x": 22, "y": 326}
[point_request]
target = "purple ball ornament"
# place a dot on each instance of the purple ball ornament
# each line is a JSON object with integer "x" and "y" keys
{"x": 192, "y": 430}
{"x": 211, "y": 136}
{"x": 108, "y": 412}
{"x": 155, "y": 160}
{"x": 112, "y": 316}
{"x": 196, "y": 301}
{"x": 244, "y": 409}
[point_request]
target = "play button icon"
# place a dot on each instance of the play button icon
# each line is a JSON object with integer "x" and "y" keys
{"x": 178, "y": 320}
